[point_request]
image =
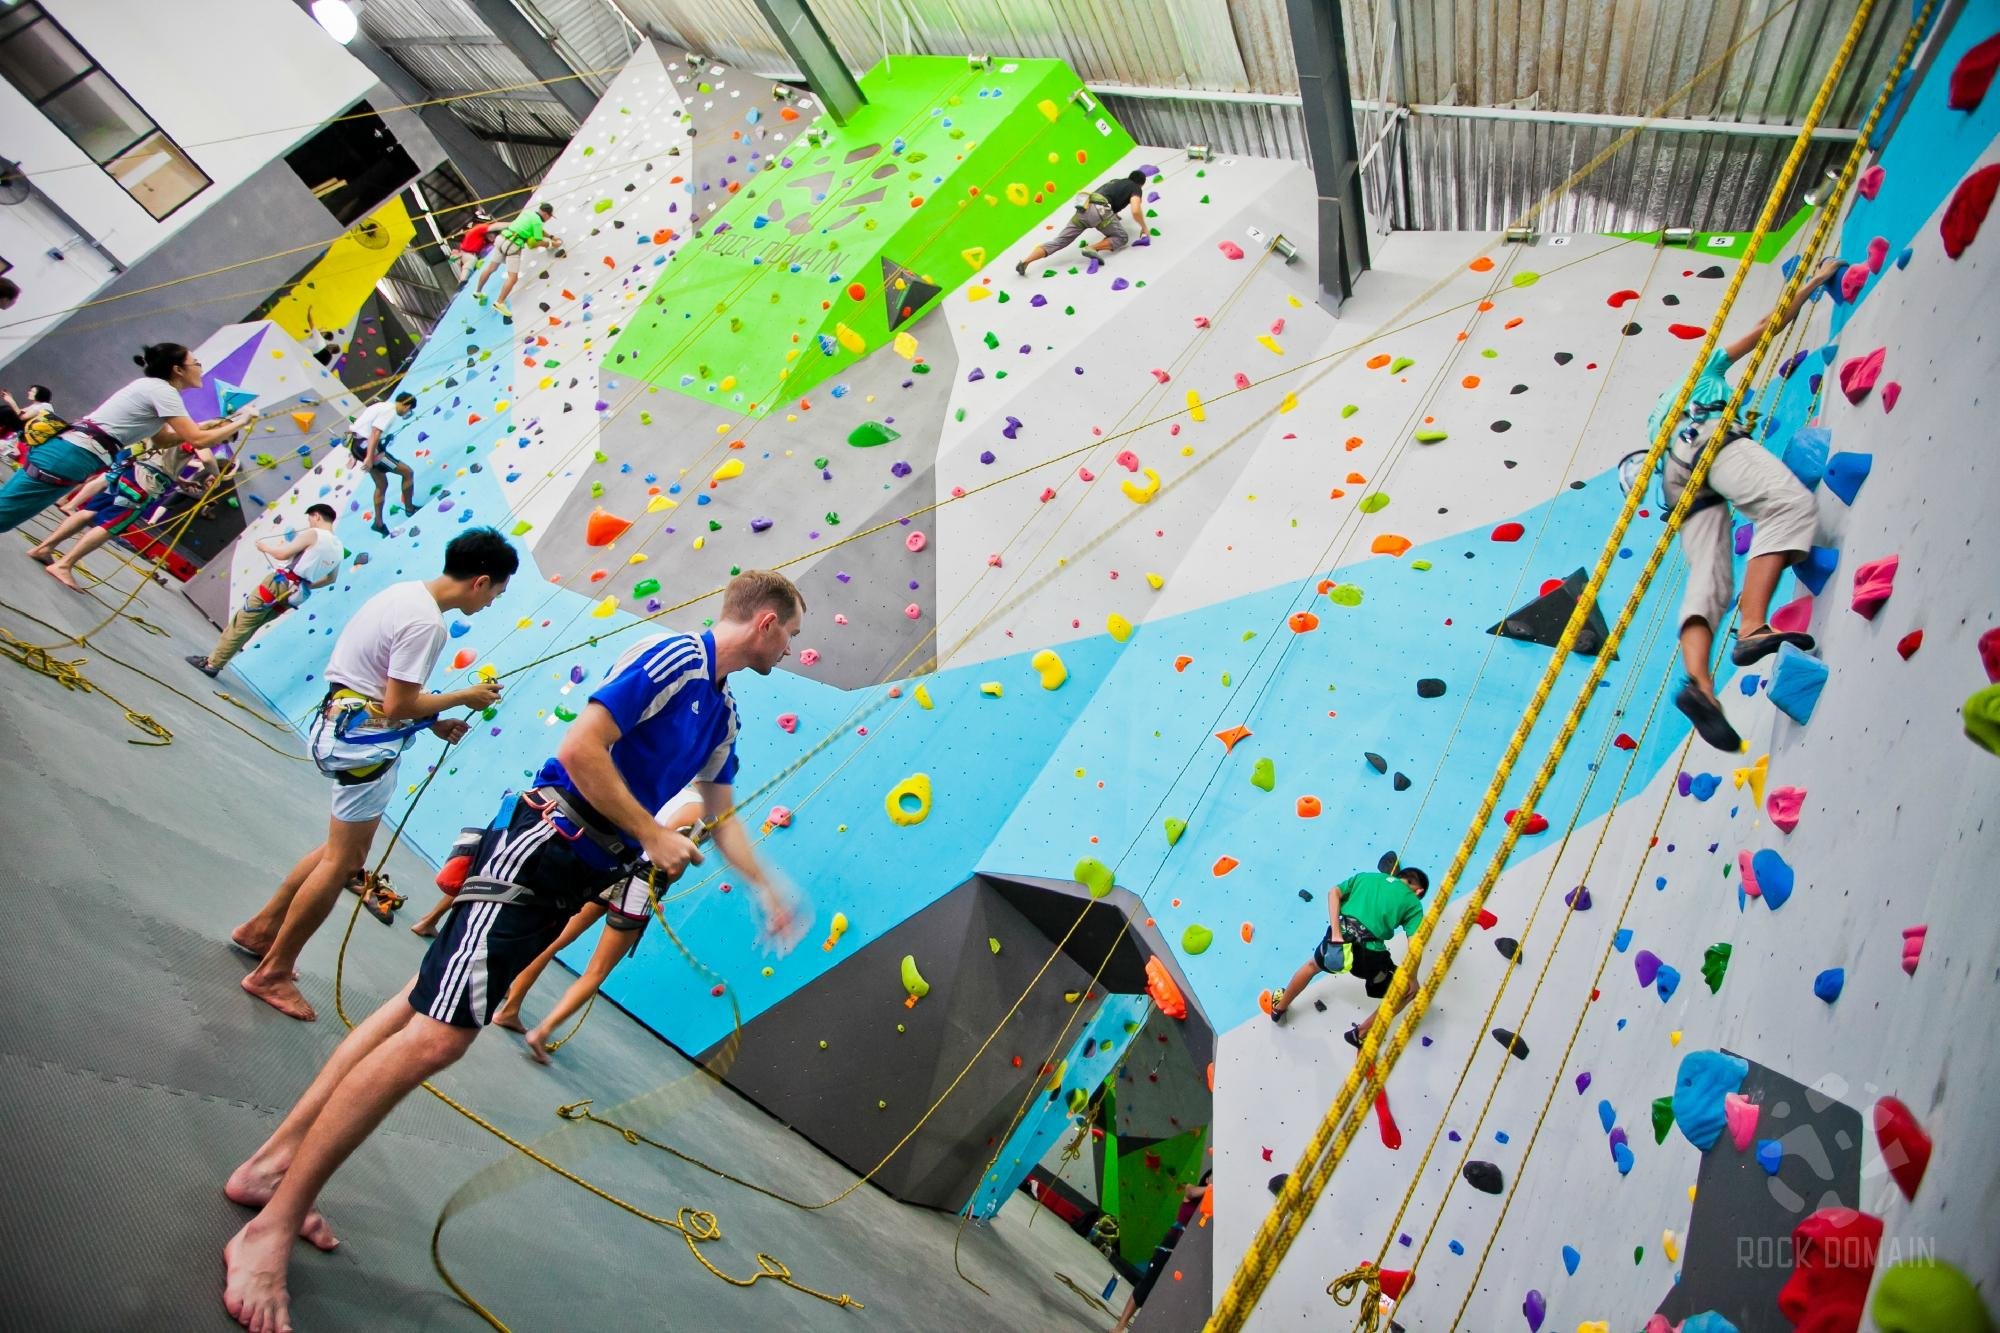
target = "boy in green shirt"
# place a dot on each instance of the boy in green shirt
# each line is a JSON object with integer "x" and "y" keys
{"x": 1363, "y": 911}
{"x": 527, "y": 232}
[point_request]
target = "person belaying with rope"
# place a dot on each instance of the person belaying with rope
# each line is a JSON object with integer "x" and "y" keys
{"x": 662, "y": 718}
{"x": 1755, "y": 481}
{"x": 375, "y": 704}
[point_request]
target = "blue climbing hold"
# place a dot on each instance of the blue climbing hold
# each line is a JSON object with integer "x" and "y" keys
{"x": 459, "y": 629}
{"x": 1805, "y": 454}
{"x": 1705, "y": 1078}
{"x": 1622, "y": 939}
{"x": 1813, "y": 571}
{"x": 1455, "y": 1247}
{"x": 1796, "y": 681}
{"x": 1607, "y": 1115}
{"x": 1770, "y": 1155}
{"x": 1774, "y": 878}
{"x": 1845, "y": 473}
{"x": 1667, "y": 982}
{"x": 1748, "y": 683}
{"x": 1827, "y": 985}
{"x": 1571, "y": 1259}
{"x": 1622, "y": 1155}
{"x": 1703, "y": 785}
{"x": 1707, "y": 1322}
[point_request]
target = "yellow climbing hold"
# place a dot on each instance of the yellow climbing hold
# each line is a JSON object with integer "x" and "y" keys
{"x": 977, "y": 293}
{"x": 909, "y": 801}
{"x": 660, "y": 504}
{"x": 913, "y": 980}
{"x": 848, "y": 339}
{"x": 1140, "y": 495}
{"x": 1048, "y": 109}
{"x": 1755, "y": 775}
{"x": 1271, "y": 343}
{"x": 1118, "y": 627}
{"x": 992, "y": 689}
{"x": 731, "y": 467}
{"x": 1288, "y": 402}
{"x": 1195, "y": 410}
{"x": 835, "y": 929}
{"x": 603, "y": 610}
{"x": 1670, "y": 1245}
{"x": 923, "y": 697}
{"x": 1155, "y": 582}
{"x": 906, "y": 345}
{"x": 1051, "y": 668}
{"x": 974, "y": 256}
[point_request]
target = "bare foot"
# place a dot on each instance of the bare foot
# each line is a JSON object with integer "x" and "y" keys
{"x": 253, "y": 1288}
{"x": 245, "y": 941}
{"x": 253, "y": 1188}
{"x": 282, "y": 995}
{"x": 536, "y": 1046}
{"x": 427, "y": 929}
{"x": 62, "y": 576}
{"x": 511, "y": 1020}
{"x": 41, "y": 555}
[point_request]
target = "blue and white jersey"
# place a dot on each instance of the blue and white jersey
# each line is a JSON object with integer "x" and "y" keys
{"x": 676, "y": 723}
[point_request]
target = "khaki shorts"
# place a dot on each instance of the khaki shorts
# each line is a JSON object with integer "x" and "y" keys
{"x": 1753, "y": 480}
{"x": 1091, "y": 217}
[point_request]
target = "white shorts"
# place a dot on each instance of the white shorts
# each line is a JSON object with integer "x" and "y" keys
{"x": 627, "y": 904}
{"x": 1754, "y": 480}
{"x": 363, "y": 774}
{"x": 362, "y": 800}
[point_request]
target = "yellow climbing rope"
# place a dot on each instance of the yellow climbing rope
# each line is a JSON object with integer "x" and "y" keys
{"x": 1329, "y": 1142}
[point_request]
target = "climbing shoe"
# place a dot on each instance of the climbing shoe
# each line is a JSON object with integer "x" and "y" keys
{"x": 200, "y": 663}
{"x": 1708, "y": 719}
{"x": 1021, "y": 269}
{"x": 1757, "y": 647}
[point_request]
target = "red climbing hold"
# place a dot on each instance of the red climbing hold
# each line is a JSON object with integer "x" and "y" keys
{"x": 1687, "y": 332}
{"x": 1508, "y": 532}
{"x": 1967, "y": 209}
{"x": 1973, "y": 75}
{"x": 1859, "y": 373}
{"x": 1834, "y": 1254}
{"x": 1487, "y": 920}
{"x": 1890, "y": 393}
{"x": 1536, "y": 823}
{"x": 1906, "y": 1148}
{"x": 1624, "y": 741}
{"x": 1621, "y": 297}
{"x": 1385, "y": 1121}
{"x": 1394, "y": 1282}
{"x": 1906, "y": 647}
{"x": 1989, "y": 654}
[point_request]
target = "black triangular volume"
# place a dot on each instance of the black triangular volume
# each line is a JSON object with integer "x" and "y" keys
{"x": 1542, "y": 620}
{"x": 905, "y": 293}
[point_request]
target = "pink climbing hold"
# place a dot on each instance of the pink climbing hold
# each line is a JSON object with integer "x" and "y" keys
{"x": 1859, "y": 373}
{"x": 1783, "y": 804}
{"x": 916, "y": 541}
{"x": 1201, "y": 321}
{"x": 1989, "y": 654}
{"x": 1740, "y": 1113}
{"x": 1870, "y": 183}
{"x": 1747, "y": 875}
{"x": 1873, "y": 583}
{"x": 1230, "y": 249}
{"x": 1913, "y": 948}
{"x": 1277, "y": 326}
{"x": 913, "y": 611}
{"x": 1242, "y": 380}
{"x": 789, "y": 721}
{"x": 1968, "y": 208}
{"x": 993, "y": 560}
{"x": 1890, "y": 393}
{"x": 1878, "y": 253}
{"x": 1127, "y": 460}
{"x": 1508, "y": 532}
{"x": 1161, "y": 375}
{"x": 810, "y": 657}
{"x": 1852, "y": 279}
{"x": 1795, "y": 616}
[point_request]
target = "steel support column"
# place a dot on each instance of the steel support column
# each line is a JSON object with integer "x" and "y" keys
{"x": 810, "y": 49}
{"x": 1326, "y": 100}
{"x": 538, "y": 53}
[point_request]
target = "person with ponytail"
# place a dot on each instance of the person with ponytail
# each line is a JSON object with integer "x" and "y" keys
{"x": 100, "y": 440}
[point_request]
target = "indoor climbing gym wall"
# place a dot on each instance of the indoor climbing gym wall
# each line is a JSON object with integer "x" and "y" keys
{"x": 1145, "y": 572}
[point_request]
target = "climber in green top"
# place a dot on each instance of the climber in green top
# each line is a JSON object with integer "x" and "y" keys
{"x": 1363, "y": 911}
{"x": 527, "y": 232}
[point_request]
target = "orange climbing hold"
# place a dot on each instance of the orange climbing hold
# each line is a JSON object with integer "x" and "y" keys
{"x": 1302, "y": 622}
{"x": 1181, "y": 662}
{"x": 1223, "y": 865}
{"x": 1389, "y": 543}
{"x": 1470, "y": 381}
{"x": 1231, "y": 736}
{"x": 462, "y": 659}
{"x": 1353, "y": 443}
{"x": 1356, "y": 479}
{"x": 1309, "y": 807}
{"x": 1481, "y": 265}
{"x": 1379, "y": 360}
{"x": 602, "y": 529}
{"x": 1165, "y": 993}
{"x": 1248, "y": 931}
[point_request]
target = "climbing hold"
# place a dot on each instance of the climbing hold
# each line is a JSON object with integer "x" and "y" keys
{"x": 1118, "y": 627}
{"x": 909, "y": 801}
{"x": 1663, "y": 1118}
{"x": 1230, "y": 737}
{"x": 1647, "y": 965}
{"x": 1913, "y": 948}
{"x": 1430, "y": 687}
{"x": 1968, "y": 208}
{"x": 1906, "y": 1148}
{"x": 1570, "y": 1256}
{"x": 602, "y": 529}
{"x": 1705, "y": 1077}
{"x": 922, "y": 695}
{"x": 1375, "y": 761}
{"x": 1906, "y": 647}
{"x": 1309, "y": 807}
{"x": 1740, "y": 1113}
{"x": 1140, "y": 495}
{"x": 913, "y": 981}
{"x": 1796, "y": 682}
{"x": 1859, "y": 373}
{"x": 1512, "y": 1043}
{"x": 1230, "y": 249}
{"x": 1430, "y": 435}
{"x": 835, "y": 929}
{"x": 1715, "y": 965}
{"x": 1783, "y": 806}
{"x": 1302, "y": 622}
{"x": 1806, "y": 453}
{"x": 871, "y": 433}
{"x": 1196, "y": 939}
{"x": 1928, "y": 1296}
{"x": 1833, "y": 1262}
{"x": 1223, "y": 865}
{"x": 1770, "y": 1155}
{"x": 1160, "y": 985}
{"x": 1873, "y": 584}
{"x": 463, "y": 658}
{"x": 1981, "y": 715}
{"x": 1094, "y": 875}
{"x": 1667, "y": 981}
{"x": 604, "y": 608}
{"x": 1263, "y": 774}
{"x": 1388, "y": 543}
{"x": 1774, "y": 878}
{"x": 1536, "y": 823}
{"x": 1509, "y": 947}
{"x": 1050, "y": 667}
{"x": 1536, "y": 1309}
{"x": 1484, "y": 1177}
{"x": 992, "y": 689}
{"x": 1828, "y": 984}
{"x": 1174, "y": 828}
{"x": 726, "y": 470}
{"x": 1845, "y": 472}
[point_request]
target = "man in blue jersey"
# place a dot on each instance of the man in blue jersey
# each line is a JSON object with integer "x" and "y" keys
{"x": 663, "y": 718}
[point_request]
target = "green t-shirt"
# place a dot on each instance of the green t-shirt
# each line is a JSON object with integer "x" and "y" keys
{"x": 526, "y": 229}
{"x": 1383, "y": 904}
{"x": 1710, "y": 396}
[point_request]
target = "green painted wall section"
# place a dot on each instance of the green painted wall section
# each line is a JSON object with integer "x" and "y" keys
{"x": 1732, "y": 244}
{"x": 1149, "y": 1196}
{"x": 945, "y": 166}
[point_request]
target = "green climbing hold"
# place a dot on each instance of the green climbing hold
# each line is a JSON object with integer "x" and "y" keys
{"x": 645, "y": 587}
{"x": 832, "y": 519}
{"x": 1349, "y": 410}
{"x": 1374, "y": 502}
{"x": 566, "y": 714}
{"x": 993, "y": 944}
{"x": 1175, "y": 827}
{"x": 597, "y": 490}
{"x": 521, "y": 528}
{"x": 1928, "y": 1296}
{"x": 992, "y": 339}
{"x": 1344, "y": 594}
{"x": 1663, "y": 1117}
{"x": 1420, "y": 565}
{"x": 1982, "y": 719}
{"x": 1714, "y": 963}
{"x": 1526, "y": 279}
{"x": 1264, "y": 774}
{"x": 1094, "y": 875}
{"x": 601, "y": 206}
{"x": 1401, "y": 364}
{"x": 871, "y": 433}
{"x": 820, "y": 463}
{"x": 1431, "y": 436}
{"x": 924, "y": 367}
{"x": 1196, "y": 939}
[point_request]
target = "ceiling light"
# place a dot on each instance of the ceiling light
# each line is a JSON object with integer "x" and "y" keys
{"x": 337, "y": 17}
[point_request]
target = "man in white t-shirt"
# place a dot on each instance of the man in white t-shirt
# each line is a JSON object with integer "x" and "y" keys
{"x": 375, "y": 703}
{"x": 302, "y": 563}
{"x": 368, "y": 440}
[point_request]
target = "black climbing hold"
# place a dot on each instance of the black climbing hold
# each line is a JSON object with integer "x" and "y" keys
{"x": 1277, "y": 1182}
{"x": 1305, "y": 895}
{"x": 1502, "y": 427}
{"x": 1320, "y": 1005}
{"x": 1564, "y": 358}
{"x": 1375, "y": 761}
{"x": 1515, "y": 1046}
{"x": 1542, "y": 620}
{"x": 1482, "y": 1176}
{"x": 1576, "y": 485}
{"x": 1508, "y": 947}
{"x": 1430, "y": 687}
{"x": 1508, "y": 462}
{"x": 1670, "y": 299}
{"x": 1518, "y": 388}
{"x": 1631, "y": 329}
{"x": 1401, "y": 783}
{"x": 1712, "y": 271}
{"x": 1387, "y": 865}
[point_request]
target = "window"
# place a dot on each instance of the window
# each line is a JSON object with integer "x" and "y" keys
{"x": 353, "y": 164}
{"x": 42, "y": 61}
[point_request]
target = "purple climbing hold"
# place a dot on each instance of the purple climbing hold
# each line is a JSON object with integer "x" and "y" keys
{"x": 1647, "y": 964}
{"x": 1582, "y": 1082}
{"x": 1536, "y": 1309}
{"x": 1012, "y": 429}
{"x": 1744, "y": 531}
{"x": 1618, "y": 1137}
{"x": 899, "y": 469}
{"x": 976, "y": 376}
{"x": 760, "y": 525}
{"x": 1578, "y": 899}
{"x": 1038, "y": 300}
{"x": 987, "y": 456}
{"x": 1791, "y": 364}
{"x": 1684, "y": 783}
{"x": 576, "y": 675}
{"x": 1119, "y": 284}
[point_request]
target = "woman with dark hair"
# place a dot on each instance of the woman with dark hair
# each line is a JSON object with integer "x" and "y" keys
{"x": 132, "y": 416}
